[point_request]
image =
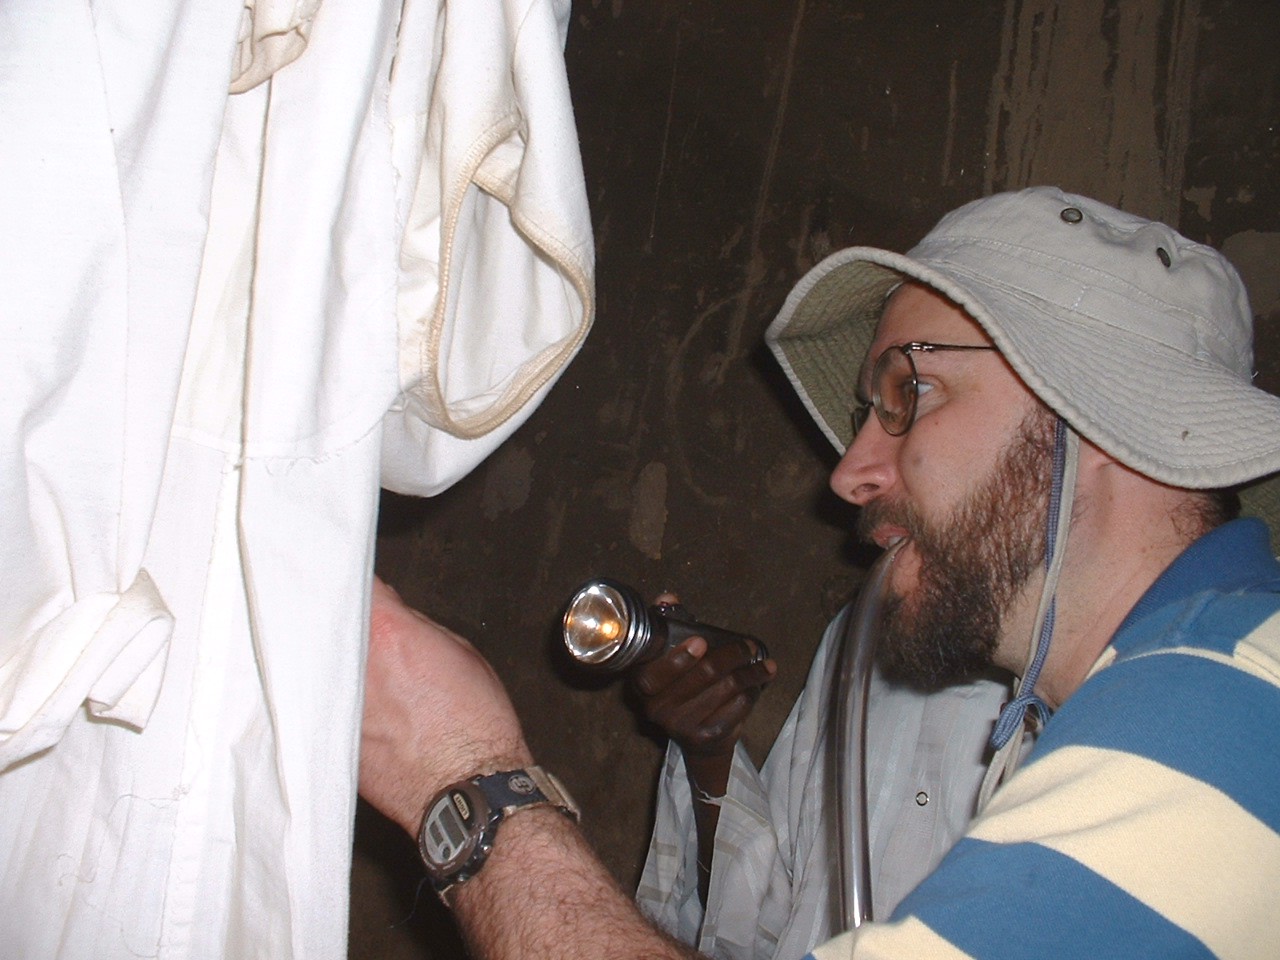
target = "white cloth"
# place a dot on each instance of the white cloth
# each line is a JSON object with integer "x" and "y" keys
{"x": 227, "y": 229}
{"x": 773, "y": 872}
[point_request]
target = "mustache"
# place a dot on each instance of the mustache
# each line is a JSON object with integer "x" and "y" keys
{"x": 880, "y": 513}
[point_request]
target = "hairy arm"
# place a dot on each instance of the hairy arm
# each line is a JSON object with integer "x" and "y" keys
{"x": 435, "y": 713}
{"x": 543, "y": 893}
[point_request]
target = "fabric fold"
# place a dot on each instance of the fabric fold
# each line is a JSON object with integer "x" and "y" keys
{"x": 273, "y": 34}
{"x": 105, "y": 651}
{"x": 497, "y": 269}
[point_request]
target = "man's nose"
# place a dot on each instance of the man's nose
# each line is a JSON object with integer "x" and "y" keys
{"x": 867, "y": 470}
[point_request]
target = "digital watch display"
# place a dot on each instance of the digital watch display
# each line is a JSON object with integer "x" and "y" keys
{"x": 461, "y": 821}
{"x": 454, "y": 827}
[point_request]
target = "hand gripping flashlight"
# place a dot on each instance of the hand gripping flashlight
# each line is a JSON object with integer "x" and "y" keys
{"x": 608, "y": 627}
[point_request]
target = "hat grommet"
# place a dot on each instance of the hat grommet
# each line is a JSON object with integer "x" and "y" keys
{"x": 1071, "y": 214}
{"x": 1164, "y": 257}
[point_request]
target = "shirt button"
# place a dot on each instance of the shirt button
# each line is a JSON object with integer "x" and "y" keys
{"x": 921, "y": 798}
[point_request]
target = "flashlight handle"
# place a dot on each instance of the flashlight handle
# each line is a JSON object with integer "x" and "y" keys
{"x": 679, "y": 628}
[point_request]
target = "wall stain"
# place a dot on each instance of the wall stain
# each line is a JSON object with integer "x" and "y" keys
{"x": 948, "y": 145}
{"x": 755, "y": 262}
{"x": 675, "y": 405}
{"x": 1202, "y": 198}
{"x": 649, "y": 510}
{"x": 1079, "y": 100}
{"x": 507, "y": 482}
{"x": 1255, "y": 254}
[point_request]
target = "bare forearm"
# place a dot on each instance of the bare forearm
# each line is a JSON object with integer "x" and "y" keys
{"x": 708, "y": 779}
{"x": 543, "y": 894}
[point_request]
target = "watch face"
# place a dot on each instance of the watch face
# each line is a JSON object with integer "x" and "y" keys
{"x": 452, "y": 829}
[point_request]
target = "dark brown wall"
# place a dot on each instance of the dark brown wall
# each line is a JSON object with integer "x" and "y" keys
{"x": 729, "y": 146}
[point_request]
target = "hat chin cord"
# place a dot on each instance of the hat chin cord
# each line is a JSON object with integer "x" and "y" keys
{"x": 1007, "y": 739}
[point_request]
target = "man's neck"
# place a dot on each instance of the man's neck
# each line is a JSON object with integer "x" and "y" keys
{"x": 1123, "y": 537}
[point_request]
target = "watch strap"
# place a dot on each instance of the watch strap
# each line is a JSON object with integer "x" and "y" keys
{"x": 512, "y": 790}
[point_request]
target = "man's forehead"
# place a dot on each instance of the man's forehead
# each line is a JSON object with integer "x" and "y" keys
{"x": 916, "y": 312}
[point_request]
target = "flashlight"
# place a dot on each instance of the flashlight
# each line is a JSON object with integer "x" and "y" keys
{"x": 608, "y": 627}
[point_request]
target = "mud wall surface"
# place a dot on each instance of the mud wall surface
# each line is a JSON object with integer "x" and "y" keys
{"x": 728, "y": 147}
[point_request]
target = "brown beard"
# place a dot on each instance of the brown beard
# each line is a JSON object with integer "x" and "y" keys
{"x": 971, "y": 567}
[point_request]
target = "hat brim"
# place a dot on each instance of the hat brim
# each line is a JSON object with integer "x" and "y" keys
{"x": 1179, "y": 421}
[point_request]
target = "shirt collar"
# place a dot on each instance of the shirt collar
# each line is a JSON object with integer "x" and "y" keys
{"x": 1227, "y": 558}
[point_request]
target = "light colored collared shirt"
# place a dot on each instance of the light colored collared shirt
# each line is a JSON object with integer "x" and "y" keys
{"x": 773, "y": 871}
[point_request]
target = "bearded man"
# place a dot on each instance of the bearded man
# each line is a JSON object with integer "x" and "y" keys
{"x": 1142, "y": 622}
{"x": 739, "y": 864}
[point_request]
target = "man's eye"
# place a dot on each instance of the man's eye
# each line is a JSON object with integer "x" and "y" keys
{"x": 922, "y": 388}
{"x": 903, "y": 389}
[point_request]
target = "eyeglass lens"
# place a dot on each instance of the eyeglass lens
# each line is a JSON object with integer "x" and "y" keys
{"x": 894, "y": 387}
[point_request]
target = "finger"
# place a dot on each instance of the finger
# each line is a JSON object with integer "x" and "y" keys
{"x": 757, "y": 674}
{"x": 728, "y": 657}
{"x": 684, "y": 707}
{"x": 696, "y": 682}
{"x": 722, "y": 727}
{"x": 746, "y": 681}
{"x": 655, "y": 677}
{"x": 679, "y": 680}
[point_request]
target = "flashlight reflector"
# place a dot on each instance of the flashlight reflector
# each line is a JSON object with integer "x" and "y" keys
{"x": 597, "y": 622}
{"x": 608, "y": 627}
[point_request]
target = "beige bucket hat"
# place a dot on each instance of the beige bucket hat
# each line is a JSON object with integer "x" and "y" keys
{"x": 1139, "y": 338}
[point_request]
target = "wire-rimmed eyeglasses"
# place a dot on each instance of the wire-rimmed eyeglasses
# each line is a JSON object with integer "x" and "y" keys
{"x": 895, "y": 386}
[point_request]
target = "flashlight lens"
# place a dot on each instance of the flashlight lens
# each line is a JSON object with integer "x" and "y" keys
{"x": 595, "y": 625}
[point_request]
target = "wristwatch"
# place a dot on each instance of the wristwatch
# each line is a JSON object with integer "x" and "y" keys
{"x": 461, "y": 821}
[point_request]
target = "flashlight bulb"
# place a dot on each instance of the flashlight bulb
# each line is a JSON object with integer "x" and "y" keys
{"x": 596, "y": 623}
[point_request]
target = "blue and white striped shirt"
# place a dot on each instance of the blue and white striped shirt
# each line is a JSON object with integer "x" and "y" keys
{"x": 1146, "y": 821}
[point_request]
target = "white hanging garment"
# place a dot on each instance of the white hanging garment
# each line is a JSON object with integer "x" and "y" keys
{"x": 228, "y": 228}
